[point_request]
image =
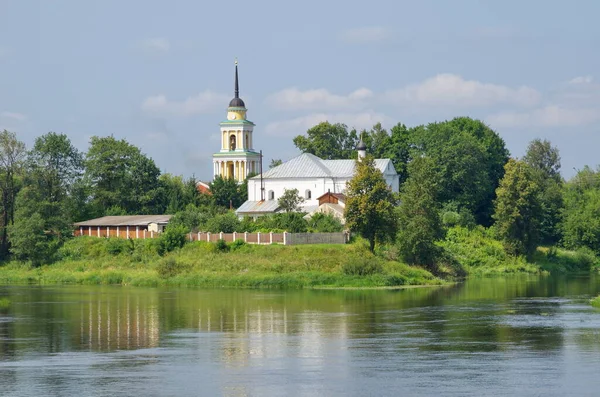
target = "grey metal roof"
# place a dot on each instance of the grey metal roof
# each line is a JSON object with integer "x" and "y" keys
{"x": 308, "y": 165}
{"x": 126, "y": 220}
{"x": 258, "y": 207}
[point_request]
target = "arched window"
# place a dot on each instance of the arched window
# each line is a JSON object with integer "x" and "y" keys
{"x": 307, "y": 194}
{"x": 247, "y": 142}
{"x": 232, "y": 142}
{"x": 271, "y": 195}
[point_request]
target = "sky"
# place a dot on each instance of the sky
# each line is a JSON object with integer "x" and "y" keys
{"x": 160, "y": 73}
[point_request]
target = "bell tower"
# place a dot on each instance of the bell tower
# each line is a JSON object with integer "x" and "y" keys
{"x": 237, "y": 158}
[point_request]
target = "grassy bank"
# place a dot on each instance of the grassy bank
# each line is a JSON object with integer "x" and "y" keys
{"x": 595, "y": 302}
{"x": 480, "y": 254}
{"x": 88, "y": 260}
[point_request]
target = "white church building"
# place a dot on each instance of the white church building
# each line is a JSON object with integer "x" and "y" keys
{"x": 311, "y": 176}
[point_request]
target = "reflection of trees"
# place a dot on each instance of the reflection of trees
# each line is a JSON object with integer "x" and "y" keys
{"x": 477, "y": 316}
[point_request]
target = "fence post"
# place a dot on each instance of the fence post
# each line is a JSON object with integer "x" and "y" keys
{"x": 118, "y": 234}
{"x": 258, "y": 238}
{"x": 208, "y": 236}
{"x": 270, "y": 237}
{"x": 220, "y": 235}
{"x": 198, "y": 236}
{"x": 151, "y": 233}
{"x": 144, "y": 234}
{"x": 245, "y": 237}
{"x": 137, "y": 232}
{"x": 234, "y": 235}
{"x": 98, "y": 231}
{"x": 127, "y": 232}
{"x": 285, "y": 240}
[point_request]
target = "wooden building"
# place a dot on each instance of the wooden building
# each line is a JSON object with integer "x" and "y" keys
{"x": 127, "y": 226}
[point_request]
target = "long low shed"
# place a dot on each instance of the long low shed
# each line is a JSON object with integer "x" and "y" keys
{"x": 127, "y": 226}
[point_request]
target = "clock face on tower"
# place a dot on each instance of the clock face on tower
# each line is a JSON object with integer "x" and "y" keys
{"x": 231, "y": 116}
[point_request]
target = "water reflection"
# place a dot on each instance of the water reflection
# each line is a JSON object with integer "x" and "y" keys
{"x": 453, "y": 332}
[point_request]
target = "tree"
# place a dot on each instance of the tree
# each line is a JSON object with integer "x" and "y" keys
{"x": 121, "y": 176}
{"x": 517, "y": 209}
{"x": 580, "y": 225}
{"x": 398, "y": 150}
{"x": 328, "y": 141}
{"x": 275, "y": 163}
{"x": 12, "y": 156}
{"x": 226, "y": 192}
{"x": 41, "y": 226}
{"x": 470, "y": 158}
{"x": 370, "y": 204}
{"x": 544, "y": 161}
{"x": 418, "y": 214}
{"x": 377, "y": 140}
{"x": 290, "y": 201}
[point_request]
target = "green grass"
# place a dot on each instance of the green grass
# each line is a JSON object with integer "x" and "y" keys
{"x": 482, "y": 255}
{"x": 595, "y": 302}
{"x": 91, "y": 260}
{"x": 87, "y": 260}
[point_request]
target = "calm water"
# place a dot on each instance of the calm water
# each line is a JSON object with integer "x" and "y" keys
{"x": 517, "y": 336}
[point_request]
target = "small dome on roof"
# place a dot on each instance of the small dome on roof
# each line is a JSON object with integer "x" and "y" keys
{"x": 237, "y": 102}
{"x": 361, "y": 145}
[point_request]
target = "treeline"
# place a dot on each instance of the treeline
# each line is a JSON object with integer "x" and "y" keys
{"x": 460, "y": 173}
{"x": 47, "y": 188}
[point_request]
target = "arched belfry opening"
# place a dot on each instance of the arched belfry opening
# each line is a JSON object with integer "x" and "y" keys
{"x": 232, "y": 142}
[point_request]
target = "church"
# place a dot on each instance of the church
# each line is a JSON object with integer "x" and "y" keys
{"x": 318, "y": 181}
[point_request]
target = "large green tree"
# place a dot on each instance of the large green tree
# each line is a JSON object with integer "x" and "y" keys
{"x": 470, "y": 158}
{"x": 370, "y": 204}
{"x": 581, "y": 214}
{"x": 328, "y": 141}
{"x": 418, "y": 214}
{"x": 121, "y": 177}
{"x": 44, "y": 207}
{"x": 517, "y": 209}
{"x": 544, "y": 160}
{"x": 399, "y": 148}
{"x": 12, "y": 159}
{"x": 227, "y": 193}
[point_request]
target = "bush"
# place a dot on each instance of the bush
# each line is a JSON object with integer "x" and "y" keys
{"x": 115, "y": 245}
{"x": 172, "y": 238}
{"x": 226, "y": 223}
{"x": 450, "y": 219}
{"x": 237, "y": 244}
{"x": 222, "y": 246}
{"x": 169, "y": 267}
{"x": 360, "y": 266}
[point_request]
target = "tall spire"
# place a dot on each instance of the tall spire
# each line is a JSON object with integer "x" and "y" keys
{"x": 237, "y": 87}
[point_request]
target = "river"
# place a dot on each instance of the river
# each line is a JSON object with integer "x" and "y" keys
{"x": 530, "y": 336}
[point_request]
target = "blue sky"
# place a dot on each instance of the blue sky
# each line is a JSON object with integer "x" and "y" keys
{"x": 160, "y": 74}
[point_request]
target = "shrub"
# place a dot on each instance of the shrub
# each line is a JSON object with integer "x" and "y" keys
{"x": 360, "y": 266}
{"x": 172, "y": 238}
{"x": 226, "y": 223}
{"x": 169, "y": 267}
{"x": 222, "y": 246}
{"x": 450, "y": 219}
{"x": 237, "y": 244}
{"x": 115, "y": 245}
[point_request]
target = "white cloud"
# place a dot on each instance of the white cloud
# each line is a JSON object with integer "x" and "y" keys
{"x": 158, "y": 45}
{"x": 13, "y": 116}
{"x": 454, "y": 91}
{"x": 548, "y": 116}
{"x": 581, "y": 80}
{"x": 299, "y": 125}
{"x": 205, "y": 102}
{"x": 318, "y": 99}
{"x": 363, "y": 35}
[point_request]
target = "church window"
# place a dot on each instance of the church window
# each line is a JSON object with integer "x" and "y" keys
{"x": 307, "y": 194}
{"x": 271, "y": 195}
{"x": 232, "y": 142}
{"x": 247, "y": 141}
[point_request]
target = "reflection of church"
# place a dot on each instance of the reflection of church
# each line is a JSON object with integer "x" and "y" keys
{"x": 237, "y": 158}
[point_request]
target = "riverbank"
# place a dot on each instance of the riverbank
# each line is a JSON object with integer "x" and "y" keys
{"x": 90, "y": 260}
